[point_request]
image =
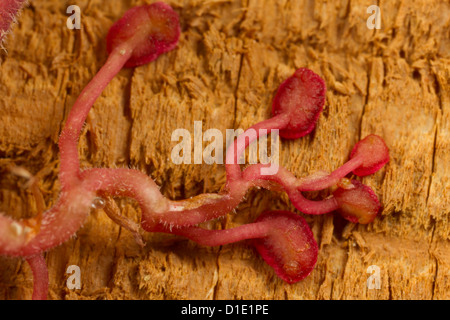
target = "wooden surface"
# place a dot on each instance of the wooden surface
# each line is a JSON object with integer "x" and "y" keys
{"x": 231, "y": 58}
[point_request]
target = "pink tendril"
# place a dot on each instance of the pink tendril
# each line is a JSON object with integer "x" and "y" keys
{"x": 40, "y": 275}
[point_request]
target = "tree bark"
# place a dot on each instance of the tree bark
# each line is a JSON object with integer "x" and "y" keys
{"x": 393, "y": 81}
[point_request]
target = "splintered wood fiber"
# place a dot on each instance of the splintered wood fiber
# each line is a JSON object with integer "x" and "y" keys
{"x": 232, "y": 56}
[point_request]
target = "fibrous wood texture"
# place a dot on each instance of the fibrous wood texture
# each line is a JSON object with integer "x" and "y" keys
{"x": 232, "y": 56}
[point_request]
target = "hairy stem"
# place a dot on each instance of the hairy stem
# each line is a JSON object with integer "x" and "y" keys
{"x": 40, "y": 275}
{"x": 68, "y": 141}
{"x": 290, "y": 184}
{"x": 58, "y": 224}
{"x": 213, "y": 238}
{"x": 156, "y": 209}
{"x": 236, "y": 150}
{"x": 324, "y": 182}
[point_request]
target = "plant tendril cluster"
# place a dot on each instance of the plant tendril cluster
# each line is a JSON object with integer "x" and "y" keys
{"x": 283, "y": 238}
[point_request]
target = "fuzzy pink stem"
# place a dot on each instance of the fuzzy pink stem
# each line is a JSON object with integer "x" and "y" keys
{"x": 68, "y": 141}
{"x": 331, "y": 179}
{"x": 212, "y": 238}
{"x": 57, "y": 225}
{"x": 156, "y": 209}
{"x": 313, "y": 207}
{"x": 236, "y": 150}
{"x": 40, "y": 275}
{"x": 141, "y": 35}
{"x": 290, "y": 184}
{"x": 283, "y": 239}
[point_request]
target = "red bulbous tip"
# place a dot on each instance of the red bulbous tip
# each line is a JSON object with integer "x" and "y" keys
{"x": 290, "y": 248}
{"x": 373, "y": 152}
{"x": 357, "y": 202}
{"x": 149, "y": 31}
{"x": 302, "y": 96}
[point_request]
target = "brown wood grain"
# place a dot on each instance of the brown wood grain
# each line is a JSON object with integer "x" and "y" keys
{"x": 231, "y": 58}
